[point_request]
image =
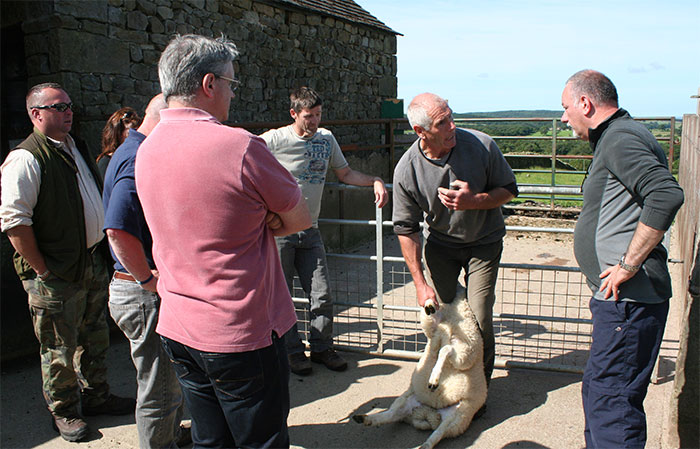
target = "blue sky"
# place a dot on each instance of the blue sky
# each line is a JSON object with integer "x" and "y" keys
{"x": 502, "y": 55}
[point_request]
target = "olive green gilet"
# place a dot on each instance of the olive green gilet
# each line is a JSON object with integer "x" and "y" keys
{"x": 58, "y": 217}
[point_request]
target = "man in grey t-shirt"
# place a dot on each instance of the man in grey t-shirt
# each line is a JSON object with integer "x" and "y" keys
{"x": 307, "y": 152}
{"x": 456, "y": 181}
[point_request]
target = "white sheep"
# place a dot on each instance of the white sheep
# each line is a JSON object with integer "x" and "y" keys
{"x": 448, "y": 385}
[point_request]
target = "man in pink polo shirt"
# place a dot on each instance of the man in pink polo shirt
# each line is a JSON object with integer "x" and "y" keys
{"x": 214, "y": 197}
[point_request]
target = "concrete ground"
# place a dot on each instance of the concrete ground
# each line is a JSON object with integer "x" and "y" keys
{"x": 526, "y": 408}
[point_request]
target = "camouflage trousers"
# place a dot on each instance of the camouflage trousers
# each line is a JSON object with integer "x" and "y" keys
{"x": 71, "y": 326}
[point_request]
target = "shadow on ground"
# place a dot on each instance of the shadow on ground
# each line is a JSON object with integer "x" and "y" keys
{"x": 513, "y": 393}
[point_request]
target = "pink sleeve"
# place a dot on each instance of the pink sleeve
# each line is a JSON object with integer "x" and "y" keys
{"x": 266, "y": 178}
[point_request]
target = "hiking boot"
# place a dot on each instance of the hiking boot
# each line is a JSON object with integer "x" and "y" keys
{"x": 72, "y": 428}
{"x": 299, "y": 364}
{"x": 330, "y": 358}
{"x": 114, "y": 405}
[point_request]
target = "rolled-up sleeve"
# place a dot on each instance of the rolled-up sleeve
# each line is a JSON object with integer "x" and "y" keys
{"x": 21, "y": 180}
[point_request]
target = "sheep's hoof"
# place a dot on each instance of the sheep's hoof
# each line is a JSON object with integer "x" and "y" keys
{"x": 433, "y": 386}
{"x": 359, "y": 418}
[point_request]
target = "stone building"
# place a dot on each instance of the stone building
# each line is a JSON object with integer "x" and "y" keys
{"x": 105, "y": 53}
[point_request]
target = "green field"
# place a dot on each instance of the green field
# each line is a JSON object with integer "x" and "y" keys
{"x": 562, "y": 179}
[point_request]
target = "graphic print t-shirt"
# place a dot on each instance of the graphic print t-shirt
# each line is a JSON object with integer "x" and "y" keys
{"x": 308, "y": 160}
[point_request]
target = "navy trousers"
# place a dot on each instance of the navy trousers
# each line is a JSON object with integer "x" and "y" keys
{"x": 626, "y": 341}
{"x": 235, "y": 399}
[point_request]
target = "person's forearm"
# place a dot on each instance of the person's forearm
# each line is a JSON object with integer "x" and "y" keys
{"x": 411, "y": 250}
{"x": 295, "y": 220}
{"x": 24, "y": 242}
{"x": 495, "y": 198}
{"x": 356, "y": 178}
{"x": 644, "y": 240}
{"x": 461, "y": 197}
{"x": 130, "y": 253}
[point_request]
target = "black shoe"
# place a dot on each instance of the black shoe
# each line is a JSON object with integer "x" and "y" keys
{"x": 72, "y": 428}
{"x": 114, "y": 405}
{"x": 299, "y": 364}
{"x": 330, "y": 358}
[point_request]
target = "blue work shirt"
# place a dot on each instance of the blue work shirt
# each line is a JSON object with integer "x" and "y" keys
{"x": 122, "y": 206}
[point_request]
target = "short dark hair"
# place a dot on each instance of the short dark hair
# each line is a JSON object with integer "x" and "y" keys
{"x": 594, "y": 85}
{"x": 35, "y": 92}
{"x": 304, "y": 98}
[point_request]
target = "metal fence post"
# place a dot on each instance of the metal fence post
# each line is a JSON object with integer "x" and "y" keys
{"x": 554, "y": 161}
{"x": 380, "y": 279}
{"x": 671, "y": 144}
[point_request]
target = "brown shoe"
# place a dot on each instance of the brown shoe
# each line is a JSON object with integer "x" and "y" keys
{"x": 72, "y": 428}
{"x": 330, "y": 358}
{"x": 114, "y": 405}
{"x": 299, "y": 364}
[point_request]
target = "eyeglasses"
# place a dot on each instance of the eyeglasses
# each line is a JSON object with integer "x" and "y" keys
{"x": 127, "y": 114}
{"x": 233, "y": 84}
{"x": 60, "y": 107}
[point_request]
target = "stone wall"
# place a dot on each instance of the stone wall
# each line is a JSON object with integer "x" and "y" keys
{"x": 105, "y": 53}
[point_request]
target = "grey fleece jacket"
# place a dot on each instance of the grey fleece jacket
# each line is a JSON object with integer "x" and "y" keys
{"x": 628, "y": 182}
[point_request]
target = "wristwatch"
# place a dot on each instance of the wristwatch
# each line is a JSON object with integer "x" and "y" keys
{"x": 630, "y": 268}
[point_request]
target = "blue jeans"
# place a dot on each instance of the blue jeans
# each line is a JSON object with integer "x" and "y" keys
{"x": 480, "y": 264}
{"x": 159, "y": 406}
{"x": 236, "y": 399}
{"x": 304, "y": 253}
{"x": 626, "y": 341}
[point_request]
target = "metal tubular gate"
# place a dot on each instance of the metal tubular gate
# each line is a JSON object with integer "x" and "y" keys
{"x": 541, "y": 316}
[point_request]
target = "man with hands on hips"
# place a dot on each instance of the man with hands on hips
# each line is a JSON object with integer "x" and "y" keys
{"x": 629, "y": 200}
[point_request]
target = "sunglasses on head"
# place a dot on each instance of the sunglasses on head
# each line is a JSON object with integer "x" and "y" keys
{"x": 60, "y": 107}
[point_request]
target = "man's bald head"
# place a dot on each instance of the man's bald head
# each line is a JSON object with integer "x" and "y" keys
{"x": 419, "y": 110}
{"x": 152, "y": 116}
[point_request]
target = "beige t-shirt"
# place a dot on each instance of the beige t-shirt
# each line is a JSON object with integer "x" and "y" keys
{"x": 308, "y": 160}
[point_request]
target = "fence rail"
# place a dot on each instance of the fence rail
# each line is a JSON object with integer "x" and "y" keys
{"x": 395, "y": 144}
{"x": 541, "y": 317}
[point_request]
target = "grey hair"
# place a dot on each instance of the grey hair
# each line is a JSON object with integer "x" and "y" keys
{"x": 187, "y": 59}
{"x": 35, "y": 93}
{"x": 594, "y": 85}
{"x": 417, "y": 111}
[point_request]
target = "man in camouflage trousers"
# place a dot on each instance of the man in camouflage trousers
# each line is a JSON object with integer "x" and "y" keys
{"x": 52, "y": 212}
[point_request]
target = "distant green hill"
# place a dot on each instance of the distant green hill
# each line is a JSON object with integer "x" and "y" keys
{"x": 536, "y": 113}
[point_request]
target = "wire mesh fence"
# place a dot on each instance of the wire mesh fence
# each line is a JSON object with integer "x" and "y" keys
{"x": 541, "y": 316}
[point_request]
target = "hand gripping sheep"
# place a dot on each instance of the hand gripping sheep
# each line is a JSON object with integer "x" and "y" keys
{"x": 448, "y": 385}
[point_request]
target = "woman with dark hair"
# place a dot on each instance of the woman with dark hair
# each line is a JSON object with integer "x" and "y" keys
{"x": 115, "y": 131}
